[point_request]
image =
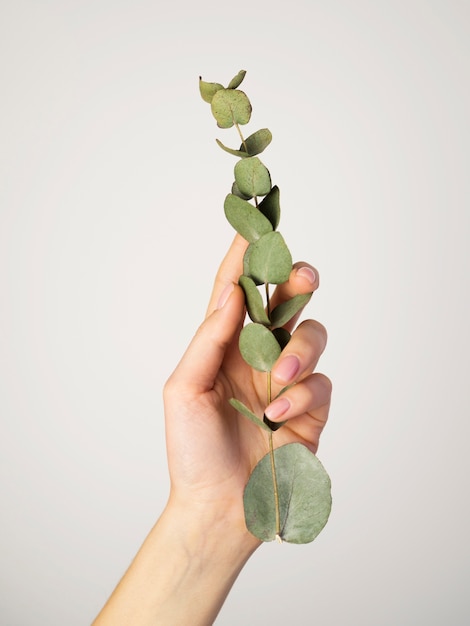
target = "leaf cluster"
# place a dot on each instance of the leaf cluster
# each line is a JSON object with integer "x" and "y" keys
{"x": 253, "y": 209}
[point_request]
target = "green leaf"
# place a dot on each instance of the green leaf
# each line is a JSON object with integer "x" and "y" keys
{"x": 230, "y": 106}
{"x": 238, "y": 153}
{"x": 286, "y": 311}
{"x": 208, "y": 90}
{"x": 252, "y": 177}
{"x": 246, "y": 265}
{"x": 245, "y": 218}
{"x": 254, "y": 144}
{"x": 244, "y": 410}
{"x": 304, "y": 490}
{"x": 257, "y": 142}
{"x": 254, "y": 301}
{"x": 271, "y": 207}
{"x": 259, "y": 347}
{"x": 237, "y": 192}
{"x": 270, "y": 260}
{"x": 237, "y": 80}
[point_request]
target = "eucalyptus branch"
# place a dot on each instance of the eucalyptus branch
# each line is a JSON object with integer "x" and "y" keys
{"x": 288, "y": 495}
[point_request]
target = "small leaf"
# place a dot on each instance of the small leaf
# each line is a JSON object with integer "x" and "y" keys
{"x": 259, "y": 347}
{"x": 208, "y": 90}
{"x": 237, "y": 192}
{"x": 257, "y": 142}
{"x": 244, "y": 410}
{"x": 245, "y": 218}
{"x": 271, "y": 207}
{"x": 254, "y": 301}
{"x": 283, "y": 337}
{"x": 237, "y": 153}
{"x": 230, "y": 106}
{"x": 304, "y": 490}
{"x": 252, "y": 177}
{"x": 270, "y": 260}
{"x": 237, "y": 80}
{"x": 286, "y": 311}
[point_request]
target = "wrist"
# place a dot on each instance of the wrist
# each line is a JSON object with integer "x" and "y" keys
{"x": 184, "y": 569}
{"x": 209, "y": 531}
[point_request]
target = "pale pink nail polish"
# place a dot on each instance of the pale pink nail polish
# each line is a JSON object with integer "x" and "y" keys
{"x": 287, "y": 369}
{"x": 308, "y": 273}
{"x": 277, "y": 408}
{"x": 225, "y": 295}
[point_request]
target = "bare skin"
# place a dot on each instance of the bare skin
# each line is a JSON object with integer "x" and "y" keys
{"x": 193, "y": 555}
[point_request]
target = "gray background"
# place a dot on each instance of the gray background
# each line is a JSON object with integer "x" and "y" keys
{"x": 111, "y": 228}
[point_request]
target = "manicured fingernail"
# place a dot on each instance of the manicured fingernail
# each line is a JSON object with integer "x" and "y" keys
{"x": 308, "y": 273}
{"x": 277, "y": 408}
{"x": 225, "y": 295}
{"x": 287, "y": 369}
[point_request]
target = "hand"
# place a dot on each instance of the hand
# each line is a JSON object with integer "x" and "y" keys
{"x": 211, "y": 448}
{"x": 192, "y": 556}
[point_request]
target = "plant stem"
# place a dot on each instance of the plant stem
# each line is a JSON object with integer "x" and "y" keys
{"x": 271, "y": 443}
{"x": 273, "y": 469}
{"x": 241, "y": 136}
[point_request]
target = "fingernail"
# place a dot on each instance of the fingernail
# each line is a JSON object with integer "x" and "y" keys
{"x": 287, "y": 369}
{"x": 308, "y": 273}
{"x": 224, "y": 296}
{"x": 277, "y": 408}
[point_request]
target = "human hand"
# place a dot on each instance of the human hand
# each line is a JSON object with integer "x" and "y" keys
{"x": 192, "y": 556}
{"x": 212, "y": 449}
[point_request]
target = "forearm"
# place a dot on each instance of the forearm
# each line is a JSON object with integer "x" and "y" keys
{"x": 182, "y": 573}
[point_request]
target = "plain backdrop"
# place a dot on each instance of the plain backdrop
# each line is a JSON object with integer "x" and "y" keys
{"x": 112, "y": 227}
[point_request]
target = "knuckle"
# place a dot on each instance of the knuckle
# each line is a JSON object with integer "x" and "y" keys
{"x": 318, "y": 333}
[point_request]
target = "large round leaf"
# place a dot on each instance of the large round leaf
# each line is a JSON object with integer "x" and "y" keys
{"x": 304, "y": 490}
{"x": 252, "y": 177}
{"x": 259, "y": 347}
{"x": 230, "y": 106}
{"x": 270, "y": 260}
{"x": 246, "y": 218}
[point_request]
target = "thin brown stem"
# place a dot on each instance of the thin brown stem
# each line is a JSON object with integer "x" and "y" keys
{"x": 273, "y": 469}
{"x": 271, "y": 443}
{"x": 242, "y": 139}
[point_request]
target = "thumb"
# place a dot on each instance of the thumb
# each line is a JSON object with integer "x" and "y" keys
{"x": 203, "y": 358}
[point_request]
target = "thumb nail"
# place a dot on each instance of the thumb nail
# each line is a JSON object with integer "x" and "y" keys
{"x": 224, "y": 296}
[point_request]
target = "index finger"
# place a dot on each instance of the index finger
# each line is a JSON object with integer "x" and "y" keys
{"x": 229, "y": 271}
